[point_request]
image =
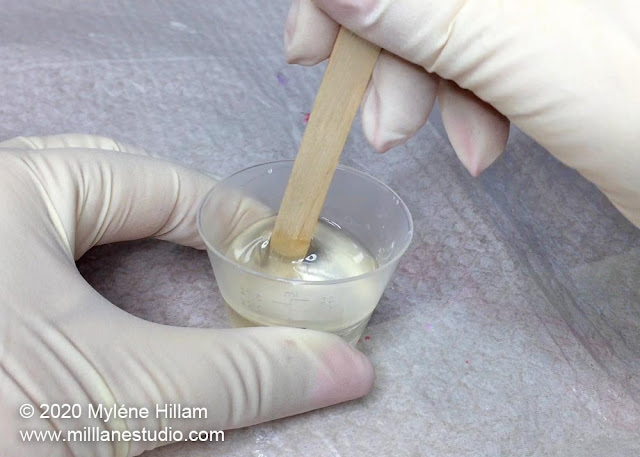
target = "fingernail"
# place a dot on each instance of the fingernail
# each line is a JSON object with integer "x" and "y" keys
{"x": 476, "y": 143}
{"x": 290, "y": 30}
{"x": 344, "y": 374}
{"x": 380, "y": 134}
{"x": 389, "y": 139}
{"x": 371, "y": 116}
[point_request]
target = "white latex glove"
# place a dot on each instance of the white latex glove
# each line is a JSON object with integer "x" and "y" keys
{"x": 567, "y": 73}
{"x": 61, "y": 342}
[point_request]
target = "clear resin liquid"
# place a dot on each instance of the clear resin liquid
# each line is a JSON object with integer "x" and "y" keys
{"x": 342, "y": 308}
{"x": 332, "y": 255}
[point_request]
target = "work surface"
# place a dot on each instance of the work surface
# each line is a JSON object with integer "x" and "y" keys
{"x": 512, "y": 326}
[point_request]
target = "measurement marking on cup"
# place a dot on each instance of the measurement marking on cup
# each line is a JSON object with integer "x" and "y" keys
{"x": 290, "y": 302}
{"x": 251, "y": 299}
{"x": 292, "y": 297}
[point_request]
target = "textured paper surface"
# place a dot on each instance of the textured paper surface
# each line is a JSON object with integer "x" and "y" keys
{"x": 512, "y": 326}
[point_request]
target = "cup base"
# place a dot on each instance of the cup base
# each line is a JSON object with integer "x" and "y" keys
{"x": 351, "y": 334}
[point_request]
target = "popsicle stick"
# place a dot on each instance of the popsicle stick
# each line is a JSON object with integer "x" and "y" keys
{"x": 343, "y": 86}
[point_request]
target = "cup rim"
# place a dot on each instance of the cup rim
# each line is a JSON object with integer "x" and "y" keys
{"x": 260, "y": 274}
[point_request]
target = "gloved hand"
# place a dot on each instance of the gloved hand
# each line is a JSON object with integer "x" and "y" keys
{"x": 566, "y": 73}
{"x": 61, "y": 342}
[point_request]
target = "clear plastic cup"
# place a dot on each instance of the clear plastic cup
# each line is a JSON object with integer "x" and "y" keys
{"x": 364, "y": 207}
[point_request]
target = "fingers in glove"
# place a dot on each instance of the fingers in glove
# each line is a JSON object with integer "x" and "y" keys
{"x": 397, "y": 103}
{"x": 478, "y": 133}
{"x": 239, "y": 376}
{"x": 416, "y": 30}
{"x": 309, "y": 34}
{"x": 99, "y": 355}
{"x": 229, "y": 212}
{"x": 70, "y": 140}
{"x": 98, "y": 197}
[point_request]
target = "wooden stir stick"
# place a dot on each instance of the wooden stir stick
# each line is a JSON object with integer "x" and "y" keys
{"x": 345, "y": 80}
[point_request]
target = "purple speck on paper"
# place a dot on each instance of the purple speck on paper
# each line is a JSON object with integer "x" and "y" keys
{"x": 281, "y": 79}
{"x": 427, "y": 326}
{"x": 305, "y": 118}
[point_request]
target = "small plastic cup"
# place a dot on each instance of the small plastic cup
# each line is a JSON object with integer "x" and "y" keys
{"x": 364, "y": 207}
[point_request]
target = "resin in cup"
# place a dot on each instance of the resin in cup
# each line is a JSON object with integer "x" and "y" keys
{"x": 374, "y": 231}
{"x": 333, "y": 255}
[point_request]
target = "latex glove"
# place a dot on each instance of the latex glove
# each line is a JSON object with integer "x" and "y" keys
{"x": 567, "y": 73}
{"x": 61, "y": 342}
